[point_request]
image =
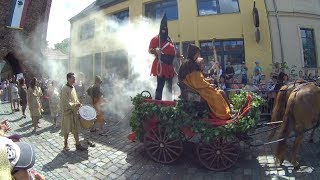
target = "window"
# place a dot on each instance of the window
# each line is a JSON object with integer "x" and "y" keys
{"x": 122, "y": 15}
{"x": 228, "y": 50}
{"x": 157, "y": 9}
{"x": 208, "y": 7}
{"x": 308, "y": 46}
{"x": 97, "y": 63}
{"x": 185, "y": 46}
{"x": 116, "y": 64}
{"x": 87, "y": 30}
{"x": 86, "y": 66}
{"x": 114, "y": 23}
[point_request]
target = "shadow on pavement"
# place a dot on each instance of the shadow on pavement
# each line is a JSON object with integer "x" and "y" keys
{"x": 15, "y": 120}
{"x": 38, "y": 132}
{"x": 25, "y": 123}
{"x": 64, "y": 158}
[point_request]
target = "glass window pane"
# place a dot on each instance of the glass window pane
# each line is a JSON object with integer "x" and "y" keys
{"x": 97, "y": 60}
{"x": 122, "y": 15}
{"x": 303, "y": 33}
{"x": 232, "y": 51}
{"x": 228, "y": 6}
{"x": 87, "y": 30}
{"x": 309, "y": 53}
{"x": 86, "y": 66}
{"x": 157, "y": 9}
{"x": 116, "y": 63}
{"x": 207, "y": 7}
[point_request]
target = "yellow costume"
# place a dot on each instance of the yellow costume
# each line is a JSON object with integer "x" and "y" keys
{"x": 53, "y": 101}
{"x": 34, "y": 101}
{"x": 217, "y": 104}
{"x": 5, "y": 167}
{"x": 69, "y": 108}
{"x": 96, "y": 94}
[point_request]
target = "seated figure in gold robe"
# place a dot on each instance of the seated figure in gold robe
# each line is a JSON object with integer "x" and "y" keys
{"x": 190, "y": 74}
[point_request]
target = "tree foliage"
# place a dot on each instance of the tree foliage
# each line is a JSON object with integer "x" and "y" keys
{"x": 63, "y": 46}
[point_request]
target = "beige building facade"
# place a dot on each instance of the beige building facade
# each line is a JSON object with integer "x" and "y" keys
{"x": 295, "y": 32}
{"x": 228, "y": 25}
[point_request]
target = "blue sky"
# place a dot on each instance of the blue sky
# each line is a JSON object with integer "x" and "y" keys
{"x": 60, "y": 13}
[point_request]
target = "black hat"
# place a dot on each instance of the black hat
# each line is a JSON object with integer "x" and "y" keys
{"x": 164, "y": 26}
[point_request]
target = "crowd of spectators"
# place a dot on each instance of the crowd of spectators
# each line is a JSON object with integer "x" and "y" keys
{"x": 228, "y": 80}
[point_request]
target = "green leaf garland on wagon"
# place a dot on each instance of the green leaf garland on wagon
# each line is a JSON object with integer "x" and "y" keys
{"x": 187, "y": 115}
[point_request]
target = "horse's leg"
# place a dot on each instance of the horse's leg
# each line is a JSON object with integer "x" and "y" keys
{"x": 295, "y": 147}
{"x": 311, "y": 135}
{"x": 281, "y": 151}
{"x": 311, "y": 140}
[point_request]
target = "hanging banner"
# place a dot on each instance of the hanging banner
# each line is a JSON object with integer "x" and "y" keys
{"x": 18, "y": 13}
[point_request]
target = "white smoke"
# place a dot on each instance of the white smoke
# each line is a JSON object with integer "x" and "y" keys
{"x": 134, "y": 38}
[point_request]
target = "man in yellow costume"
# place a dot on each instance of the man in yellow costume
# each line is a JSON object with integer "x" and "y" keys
{"x": 69, "y": 105}
{"x": 190, "y": 74}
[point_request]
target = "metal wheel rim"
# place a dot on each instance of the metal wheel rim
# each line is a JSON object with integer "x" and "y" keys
{"x": 160, "y": 148}
{"x": 219, "y": 155}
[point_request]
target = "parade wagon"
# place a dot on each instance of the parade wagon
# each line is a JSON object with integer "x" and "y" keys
{"x": 163, "y": 126}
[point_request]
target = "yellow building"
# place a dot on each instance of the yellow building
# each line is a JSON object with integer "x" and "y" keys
{"x": 228, "y": 22}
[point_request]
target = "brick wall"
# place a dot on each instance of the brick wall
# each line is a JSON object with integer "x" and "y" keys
{"x": 32, "y": 37}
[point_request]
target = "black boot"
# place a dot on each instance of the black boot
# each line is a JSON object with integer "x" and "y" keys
{"x": 158, "y": 95}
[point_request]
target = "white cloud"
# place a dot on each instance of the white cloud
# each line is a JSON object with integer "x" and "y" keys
{"x": 60, "y": 13}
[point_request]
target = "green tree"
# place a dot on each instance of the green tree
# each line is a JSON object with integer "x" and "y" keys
{"x": 63, "y": 46}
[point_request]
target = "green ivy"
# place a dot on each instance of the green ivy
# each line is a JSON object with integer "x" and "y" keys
{"x": 188, "y": 114}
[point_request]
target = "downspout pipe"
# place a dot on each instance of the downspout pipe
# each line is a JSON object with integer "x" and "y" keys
{"x": 279, "y": 30}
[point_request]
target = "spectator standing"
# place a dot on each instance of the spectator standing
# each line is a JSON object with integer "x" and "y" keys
{"x": 257, "y": 67}
{"x": 229, "y": 74}
{"x": 286, "y": 79}
{"x": 244, "y": 73}
{"x": 256, "y": 77}
{"x": 276, "y": 69}
{"x": 301, "y": 77}
{"x": 15, "y": 95}
{"x": 34, "y": 102}
{"x": 5, "y": 86}
{"x": 54, "y": 101}
{"x": 23, "y": 91}
{"x": 81, "y": 89}
{"x": 222, "y": 83}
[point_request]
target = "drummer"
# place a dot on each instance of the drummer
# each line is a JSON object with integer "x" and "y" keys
{"x": 69, "y": 105}
{"x": 96, "y": 94}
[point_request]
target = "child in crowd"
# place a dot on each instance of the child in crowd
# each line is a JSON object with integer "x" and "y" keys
{"x": 222, "y": 83}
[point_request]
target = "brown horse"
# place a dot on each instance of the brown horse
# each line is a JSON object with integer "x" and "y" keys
{"x": 280, "y": 102}
{"x": 301, "y": 112}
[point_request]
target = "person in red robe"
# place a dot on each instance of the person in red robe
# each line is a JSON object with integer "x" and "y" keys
{"x": 163, "y": 49}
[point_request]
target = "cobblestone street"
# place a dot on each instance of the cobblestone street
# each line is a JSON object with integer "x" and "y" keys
{"x": 114, "y": 157}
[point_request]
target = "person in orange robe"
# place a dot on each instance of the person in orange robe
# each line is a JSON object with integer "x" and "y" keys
{"x": 162, "y": 47}
{"x": 97, "y": 101}
{"x": 190, "y": 74}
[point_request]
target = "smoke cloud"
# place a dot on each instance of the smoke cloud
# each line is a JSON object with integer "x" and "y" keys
{"x": 132, "y": 38}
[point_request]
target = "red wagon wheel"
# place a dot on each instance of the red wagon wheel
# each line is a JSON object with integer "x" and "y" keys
{"x": 160, "y": 147}
{"x": 219, "y": 155}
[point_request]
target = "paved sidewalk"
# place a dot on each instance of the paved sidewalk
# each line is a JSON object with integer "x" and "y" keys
{"x": 116, "y": 158}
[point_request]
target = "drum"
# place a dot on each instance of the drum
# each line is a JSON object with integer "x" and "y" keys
{"x": 87, "y": 116}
